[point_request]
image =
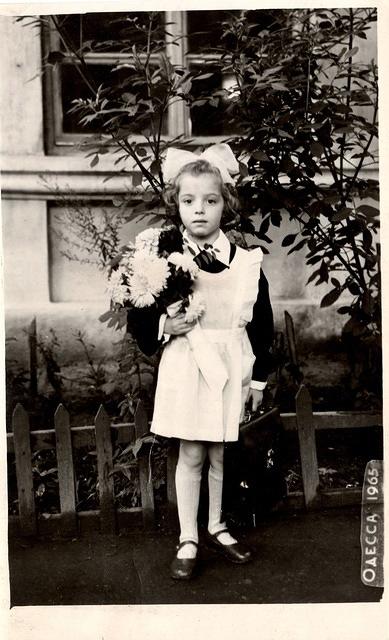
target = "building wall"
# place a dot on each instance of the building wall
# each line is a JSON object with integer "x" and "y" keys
{"x": 69, "y": 296}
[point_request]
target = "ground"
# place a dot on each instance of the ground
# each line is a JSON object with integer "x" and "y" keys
{"x": 299, "y": 558}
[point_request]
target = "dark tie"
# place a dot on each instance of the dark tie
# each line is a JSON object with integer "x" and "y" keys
{"x": 207, "y": 261}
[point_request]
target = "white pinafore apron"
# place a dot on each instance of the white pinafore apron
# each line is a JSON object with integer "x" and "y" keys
{"x": 204, "y": 376}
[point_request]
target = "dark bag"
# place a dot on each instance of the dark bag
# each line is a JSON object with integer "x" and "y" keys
{"x": 254, "y": 479}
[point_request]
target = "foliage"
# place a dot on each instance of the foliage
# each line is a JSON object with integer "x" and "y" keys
{"x": 307, "y": 105}
{"x": 86, "y": 236}
{"x": 125, "y": 473}
{"x": 48, "y": 347}
{"x": 130, "y": 108}
{"x": 304, "y": 103}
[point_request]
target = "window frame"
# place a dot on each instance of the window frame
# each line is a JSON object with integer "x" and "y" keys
{"x": 58, "y": 142}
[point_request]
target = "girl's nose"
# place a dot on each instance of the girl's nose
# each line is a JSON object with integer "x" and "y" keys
{"x": 199, "y": 208}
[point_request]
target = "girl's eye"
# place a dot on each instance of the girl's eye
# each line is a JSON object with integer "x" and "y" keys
{"x": 187, "y": 201}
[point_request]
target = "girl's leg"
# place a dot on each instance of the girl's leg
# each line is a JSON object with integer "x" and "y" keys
{"x": 215, "y": 488}
{"x": 188, "y": 477}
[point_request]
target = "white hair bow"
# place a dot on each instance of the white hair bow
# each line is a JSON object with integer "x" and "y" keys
{"x": 218, "y": 155}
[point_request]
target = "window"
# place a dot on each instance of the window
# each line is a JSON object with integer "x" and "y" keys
{"x": 189, "y": 34}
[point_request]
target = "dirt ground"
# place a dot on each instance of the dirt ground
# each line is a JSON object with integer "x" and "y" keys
{"x": 299, "y": 558}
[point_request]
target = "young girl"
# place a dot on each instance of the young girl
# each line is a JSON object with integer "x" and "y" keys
{"x": 204, "y": 382}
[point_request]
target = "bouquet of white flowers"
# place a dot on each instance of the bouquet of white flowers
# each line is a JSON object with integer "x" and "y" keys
{"x": 155, "y": 271}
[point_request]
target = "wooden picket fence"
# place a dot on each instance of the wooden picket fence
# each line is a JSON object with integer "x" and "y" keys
{"x": 102, "y": 435}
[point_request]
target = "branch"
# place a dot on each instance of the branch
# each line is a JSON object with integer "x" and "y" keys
{"x": 69, "y": 47}
{"x": 149, "y": 176}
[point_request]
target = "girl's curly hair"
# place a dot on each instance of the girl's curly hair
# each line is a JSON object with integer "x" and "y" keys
{"x": 197, "y": 168}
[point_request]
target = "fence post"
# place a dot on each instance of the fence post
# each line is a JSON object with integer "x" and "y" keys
{"x": 22, "y": 447}
{"x": 145, "y": 469}
{"x": 105, "y": 468}
{"x": 67, "y": 493}
{"x": 291, "y": 338}
{"x": 307, "y": 440}
{"x": 32, "y": 345}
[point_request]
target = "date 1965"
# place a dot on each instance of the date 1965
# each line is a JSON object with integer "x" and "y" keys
{"x": 372, "y": 525}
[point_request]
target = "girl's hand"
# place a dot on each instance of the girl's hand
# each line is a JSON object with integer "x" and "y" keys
{"x": 174, "y": 309}
{"x": 177, "y": 326}
{"x": 254, "y": 398}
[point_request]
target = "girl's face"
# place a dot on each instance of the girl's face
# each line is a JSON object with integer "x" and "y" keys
{"x": 200, "y": 205}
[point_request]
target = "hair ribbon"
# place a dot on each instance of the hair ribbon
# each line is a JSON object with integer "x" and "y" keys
{"x": 218, "y": 155}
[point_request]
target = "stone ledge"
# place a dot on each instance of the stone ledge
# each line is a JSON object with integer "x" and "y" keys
{"x": 37, "y": 176}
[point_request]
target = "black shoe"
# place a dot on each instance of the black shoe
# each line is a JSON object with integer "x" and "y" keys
{"x": 183, "y": 568}
{"x": 234, "y": 552}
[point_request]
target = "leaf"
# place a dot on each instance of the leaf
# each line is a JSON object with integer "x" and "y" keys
{"x": 345, "y": 310}
{"x": 289, "y": 239}
{"x": 263, "y": 229}
{"x": 367, "y": 239}
{"x": 314, "y": 260}
{"x": 317, "y": 149}
{"x": 204, "y": 76}
{"x": 285, "y": 134}
{"x": 243, "y": 170}
{"x": 316, "y": 208}
{"x": 105, "y": 316}
{"x": 279, "y": 86}
{"x": 323, "y": 272}
{"x": 260, "y": 155}
{"x": 331, "y": 297}
{"x": 349, "y": 53}
{"x": 137, "y": 447}
{"x": 141, "y": 152}
{"x": 129, "y": 98}
{"x": 342, "y": 214}
{"x": 298, "y": 246}
{"x": 353, "y": 288}
{"x": 369, "y": 211}
{"x": 313, "y": 276}
{"x": 276, "y": 218}
{"x": 155, "y": 167}
{"x": 95, "y": 161}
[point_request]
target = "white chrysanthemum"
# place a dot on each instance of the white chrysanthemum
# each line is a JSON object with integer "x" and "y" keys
{"x": 196, "y": 307}
{"x": 149, "y": 275}
{"x": 141, "y": 298}
{"x": 116, "y": 288}
{"x": 185, "y": 262}
{"x": 148, "y": 240}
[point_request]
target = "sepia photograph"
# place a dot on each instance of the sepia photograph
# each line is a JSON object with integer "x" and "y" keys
{"x": 192, "y": 298}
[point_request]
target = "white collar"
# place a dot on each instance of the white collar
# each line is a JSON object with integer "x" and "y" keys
{"x": 222, "y": 244}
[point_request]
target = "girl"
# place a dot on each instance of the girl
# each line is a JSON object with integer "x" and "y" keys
{"x": 204, "y": 382}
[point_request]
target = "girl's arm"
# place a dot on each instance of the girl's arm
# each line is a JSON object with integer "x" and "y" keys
{"x": 149, "y": 327}
{"x": 261, "y": 330}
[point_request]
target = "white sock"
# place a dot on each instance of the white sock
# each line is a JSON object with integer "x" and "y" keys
{"x": 188, "y": 496}
{"x": 215, "y": 488}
